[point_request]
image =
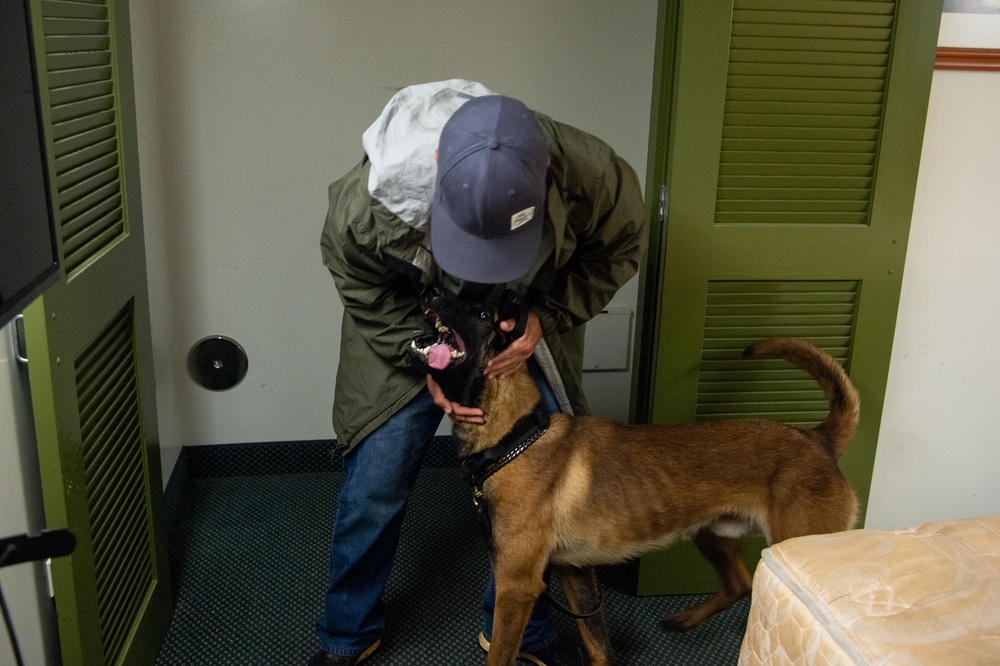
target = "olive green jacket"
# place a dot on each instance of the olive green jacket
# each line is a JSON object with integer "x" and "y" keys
{"x": 594, "y": 237}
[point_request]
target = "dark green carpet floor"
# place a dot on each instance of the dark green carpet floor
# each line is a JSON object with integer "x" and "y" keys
{"x": 249, "y": 537}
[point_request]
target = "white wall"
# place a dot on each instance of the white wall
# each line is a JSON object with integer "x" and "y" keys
{"x": 939, "y": 446}
{"x": 31, "y": 609}
{"x": 248, "y": 110}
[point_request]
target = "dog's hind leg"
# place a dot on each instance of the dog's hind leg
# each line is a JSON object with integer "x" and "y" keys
{"x": 584, "y": 596}
{"x": 723, "y": 553}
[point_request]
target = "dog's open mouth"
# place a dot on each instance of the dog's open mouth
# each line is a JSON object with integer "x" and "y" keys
{"x": 448, "y": 346}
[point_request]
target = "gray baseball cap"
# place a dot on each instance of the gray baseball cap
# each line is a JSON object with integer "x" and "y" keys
{"x": 489, "y": 196}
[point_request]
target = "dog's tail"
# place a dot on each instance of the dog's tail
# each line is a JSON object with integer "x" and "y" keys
{"x": 838, "y": 428}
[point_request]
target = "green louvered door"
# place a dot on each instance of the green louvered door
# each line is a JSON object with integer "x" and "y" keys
{"x": 789, "y": 166}
{"x": 89, "y": 350}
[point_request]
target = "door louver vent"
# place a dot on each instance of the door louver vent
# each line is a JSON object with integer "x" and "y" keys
{"x": 740, "y": 313}
{"x": 804, "y": 102}
{"x": 113, "y": 455}
{"x": 84, "y": 128}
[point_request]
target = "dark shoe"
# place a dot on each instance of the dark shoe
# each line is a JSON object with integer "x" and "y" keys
{"x": 324, "y": 658}
{"x": 560, "y": 653}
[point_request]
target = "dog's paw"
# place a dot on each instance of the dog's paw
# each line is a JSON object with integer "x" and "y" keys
{"x": 682, "y": 621}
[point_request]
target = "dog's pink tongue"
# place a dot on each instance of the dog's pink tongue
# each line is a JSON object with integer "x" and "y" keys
{"x": 439, "y": 356}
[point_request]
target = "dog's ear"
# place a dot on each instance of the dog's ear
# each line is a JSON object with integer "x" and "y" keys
{"x": 512, "y": 306}
{"x": 509, "y": 305}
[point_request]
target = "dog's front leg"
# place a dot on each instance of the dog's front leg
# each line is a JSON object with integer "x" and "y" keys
{"x": 518, "y": 582}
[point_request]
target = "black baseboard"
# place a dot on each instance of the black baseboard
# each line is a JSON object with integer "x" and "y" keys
{"x": 249, "y": 459}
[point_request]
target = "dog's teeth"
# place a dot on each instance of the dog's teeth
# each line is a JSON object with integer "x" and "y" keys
{"x": 439, "y": 326}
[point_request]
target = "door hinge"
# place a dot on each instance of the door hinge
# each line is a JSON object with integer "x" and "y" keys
{"x": 664, "y": 197}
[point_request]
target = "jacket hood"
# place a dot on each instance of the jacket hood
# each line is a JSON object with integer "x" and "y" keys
{"x": 400, "y": 145}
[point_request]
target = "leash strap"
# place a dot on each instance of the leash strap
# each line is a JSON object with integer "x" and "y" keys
{"x": 577, "y": 616}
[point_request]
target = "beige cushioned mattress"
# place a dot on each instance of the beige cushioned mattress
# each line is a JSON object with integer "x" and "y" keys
{"x": 928, "y": 594}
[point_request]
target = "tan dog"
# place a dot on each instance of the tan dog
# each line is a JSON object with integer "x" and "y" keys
{"x": 590, "y": 491}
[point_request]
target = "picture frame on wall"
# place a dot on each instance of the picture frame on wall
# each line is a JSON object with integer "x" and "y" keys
{"x": 969, "y": 38}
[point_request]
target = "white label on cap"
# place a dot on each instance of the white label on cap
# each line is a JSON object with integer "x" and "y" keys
{"x": 522, "y": 218}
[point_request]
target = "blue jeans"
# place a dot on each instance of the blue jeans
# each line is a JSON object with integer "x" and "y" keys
{"x": 381, "y": 472}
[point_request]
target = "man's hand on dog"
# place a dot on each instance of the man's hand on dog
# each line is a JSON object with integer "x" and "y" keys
{"x": 457, "y": 412}
{"x": 499, "y": 367}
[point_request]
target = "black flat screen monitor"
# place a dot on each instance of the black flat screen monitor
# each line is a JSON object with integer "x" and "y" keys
{"x": 28, "y": 254}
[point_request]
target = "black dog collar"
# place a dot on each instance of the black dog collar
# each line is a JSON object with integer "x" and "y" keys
{"x": 478, "y": 467}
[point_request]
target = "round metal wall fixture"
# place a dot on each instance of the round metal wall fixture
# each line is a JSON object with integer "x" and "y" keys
{"x": 217, "y": 363}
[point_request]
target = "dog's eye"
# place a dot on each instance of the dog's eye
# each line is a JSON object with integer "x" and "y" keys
{"x": 486, "y": 315}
